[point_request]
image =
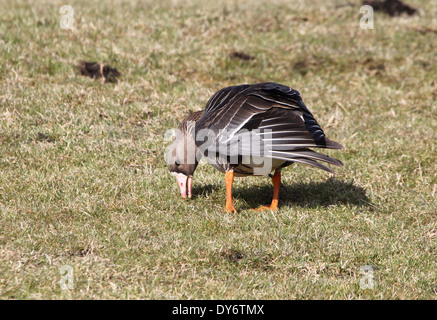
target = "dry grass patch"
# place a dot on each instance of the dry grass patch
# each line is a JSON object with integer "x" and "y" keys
{"x": 83, "y": 181}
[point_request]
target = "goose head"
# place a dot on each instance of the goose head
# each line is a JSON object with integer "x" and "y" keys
{"x": 184, "y": 155}
{"x": 182, "y": 169}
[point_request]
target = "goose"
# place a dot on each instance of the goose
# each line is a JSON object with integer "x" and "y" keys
{"x": 249, "y": 130}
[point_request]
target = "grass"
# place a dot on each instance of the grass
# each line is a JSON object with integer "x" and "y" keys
{"x": 83, "y": 181}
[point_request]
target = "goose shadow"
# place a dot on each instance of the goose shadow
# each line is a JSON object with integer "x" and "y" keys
{"x": 307, "y": 194}
{"x": 204, "y": 190}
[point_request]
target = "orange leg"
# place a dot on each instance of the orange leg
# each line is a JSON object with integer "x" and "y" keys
{"x": 229, "y": 178}
{"x": 276, "y": 184}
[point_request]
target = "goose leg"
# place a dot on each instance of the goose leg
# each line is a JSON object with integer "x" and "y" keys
{"x": 229, "y": 179}
{"x": 276, "y": 184}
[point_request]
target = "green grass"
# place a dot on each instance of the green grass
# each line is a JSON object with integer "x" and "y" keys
{"x": 83, "y": 181}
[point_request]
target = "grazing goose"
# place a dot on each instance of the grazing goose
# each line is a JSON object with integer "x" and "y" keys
{"x": 249, "y": 130}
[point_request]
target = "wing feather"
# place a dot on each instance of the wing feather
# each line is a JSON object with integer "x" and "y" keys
{"x": 272, "y": 113}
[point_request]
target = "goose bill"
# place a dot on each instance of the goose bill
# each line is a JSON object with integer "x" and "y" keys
{"x": 185, "y": 183}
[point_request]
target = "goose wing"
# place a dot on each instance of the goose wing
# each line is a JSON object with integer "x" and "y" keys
{"x": 273, "y": 114}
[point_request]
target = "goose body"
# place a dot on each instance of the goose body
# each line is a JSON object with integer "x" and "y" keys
{"x": 252, "y": 130}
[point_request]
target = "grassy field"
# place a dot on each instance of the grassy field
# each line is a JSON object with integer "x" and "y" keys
{"x": 84, "y": 183}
